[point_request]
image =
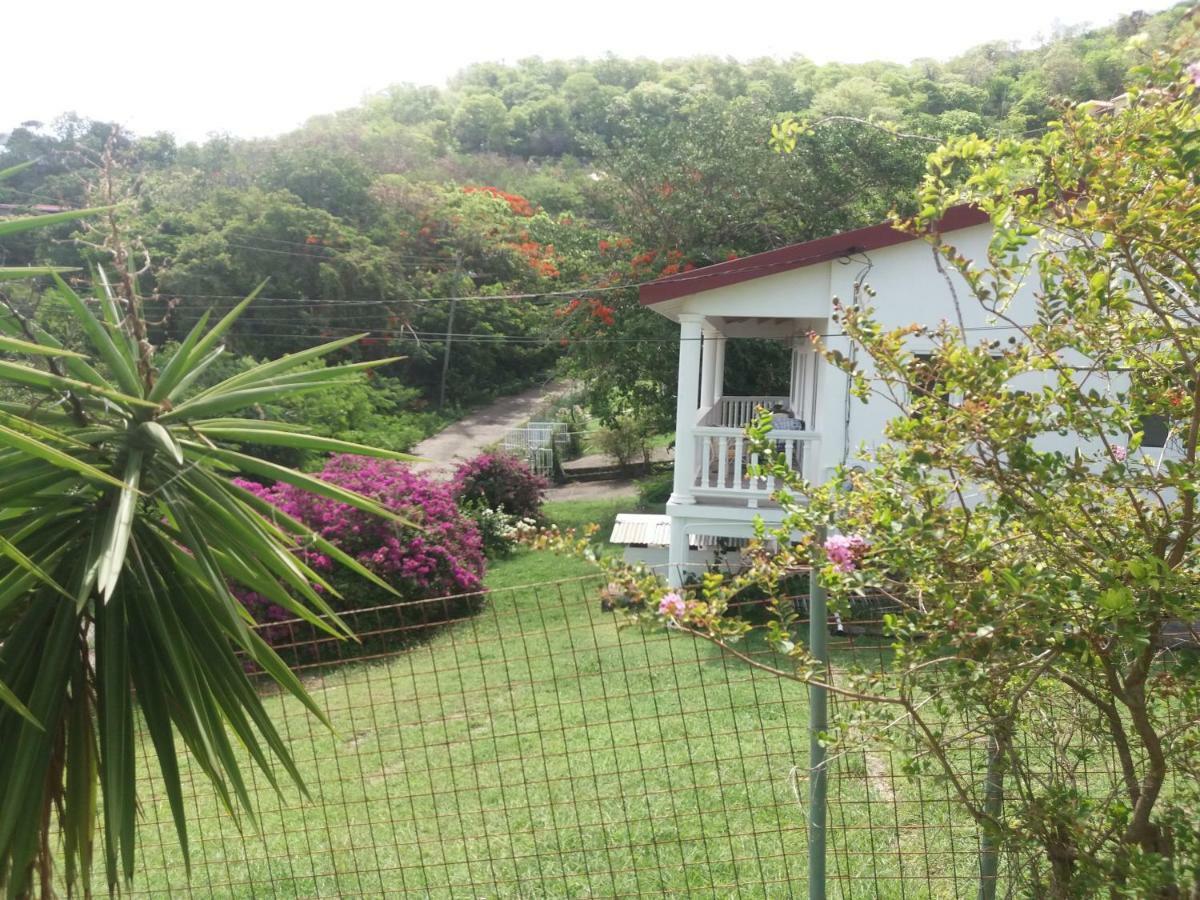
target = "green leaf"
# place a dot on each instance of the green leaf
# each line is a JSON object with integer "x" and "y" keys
{"x": 14, "y": 226}
{"x": 205, "y": 345}
{"x": 119, "y": 527}
{"x": 5, "y": 174}
{"x": 18, "y": 273}
{"x": 162, "y": 439}
{"x": 273, "y": 438}
{"x": 77, "y": 366}
{"x": 12, "y": 700}
{"x": 235, "y": 400}
{"x": 47, "y": 380}
{"x": 177, "y": 367}
{"x": 267, "y": 370}
{"x": 14, "y": 345}
{"x": 115, "y": 356}
{"x": 53, "y": 456}
{"x": 255, "y": 466}
{"x": 7, "y": 548}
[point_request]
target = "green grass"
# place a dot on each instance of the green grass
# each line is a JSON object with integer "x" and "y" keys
{"x": 534, "y": 750}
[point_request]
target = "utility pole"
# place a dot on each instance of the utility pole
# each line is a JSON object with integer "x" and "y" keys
{"x": 450, "y": 328}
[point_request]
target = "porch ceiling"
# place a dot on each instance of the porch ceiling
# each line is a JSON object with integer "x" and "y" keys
{"x": 764, "y": 326}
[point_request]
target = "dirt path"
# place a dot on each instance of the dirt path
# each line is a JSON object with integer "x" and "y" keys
{"x": 469, "y": 436}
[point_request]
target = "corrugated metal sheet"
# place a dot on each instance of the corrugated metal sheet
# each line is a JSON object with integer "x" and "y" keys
{"x": 647, "y": 530}
{"x": 639, "y": 528}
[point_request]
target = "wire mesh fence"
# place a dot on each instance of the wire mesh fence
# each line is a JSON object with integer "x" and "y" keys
{"x": 521, "y": 744}
{"x": 527, "y": 743}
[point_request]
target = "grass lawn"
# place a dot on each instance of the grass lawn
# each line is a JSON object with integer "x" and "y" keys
{"x": 533, "y": 750}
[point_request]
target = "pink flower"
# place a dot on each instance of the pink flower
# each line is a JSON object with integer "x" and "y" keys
{"x": 845, "y": 551}
{"x": 672, "y": 605}
{"x": 1193, "y": 72}
{"x": 1119, "y": 453}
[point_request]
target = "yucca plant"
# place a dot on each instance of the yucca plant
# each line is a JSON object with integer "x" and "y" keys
{"x": 122, "y": 532}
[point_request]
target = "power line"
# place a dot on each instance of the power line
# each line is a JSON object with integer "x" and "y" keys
{"x": 700, "y": 274}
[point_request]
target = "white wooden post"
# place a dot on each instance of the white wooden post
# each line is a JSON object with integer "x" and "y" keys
{"x": 719, "y": 369}
{"x": 708, "y": 368}
{"x": 677, "y": 554}
{"x": 796, "y": 382}
{"x": 685, "y": 407}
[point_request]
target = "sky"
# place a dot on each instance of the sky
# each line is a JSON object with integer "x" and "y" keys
{"x": 256, "y": 68}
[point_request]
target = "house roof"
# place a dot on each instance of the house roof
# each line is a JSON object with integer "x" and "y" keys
{"x": 796, "y": 256}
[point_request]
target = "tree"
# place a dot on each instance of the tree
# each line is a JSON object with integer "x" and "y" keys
{"x": 1026, "y": 578}
{"x": 122, "y": 537}
{"x": 481, "y": 123}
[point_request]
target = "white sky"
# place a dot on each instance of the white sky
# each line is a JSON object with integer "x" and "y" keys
{"x": 261, "y": 67}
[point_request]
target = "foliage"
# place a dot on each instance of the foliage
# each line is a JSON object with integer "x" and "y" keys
{"x": 500, "y": 481}
{"x": 1042, "y": 598}
{"x": 122, "y": 533}
{"x": 655, "y": 490}
{"x": 497, "y": 529}
{"x": 437, "y": 553}
{"x": 627, "y": 440}
{"x": 1028, "y": 578}
{"x": 576, "y": 419}
{"x": 361, "y": 213}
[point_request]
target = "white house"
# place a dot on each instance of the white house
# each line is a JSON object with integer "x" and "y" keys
{"x": 787, "y": 294}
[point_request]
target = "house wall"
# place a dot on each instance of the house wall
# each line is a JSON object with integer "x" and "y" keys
{"x": 908, "y": 289}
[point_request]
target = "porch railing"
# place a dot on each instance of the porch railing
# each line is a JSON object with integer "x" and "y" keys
{"x": 725, "y": 459}
{"x": 737, "y": 412}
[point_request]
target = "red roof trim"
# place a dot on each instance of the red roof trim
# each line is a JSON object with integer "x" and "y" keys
{"x": 796, "y": 256}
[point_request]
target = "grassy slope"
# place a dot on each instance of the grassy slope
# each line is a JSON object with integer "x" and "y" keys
{"x": 535, "y": 750}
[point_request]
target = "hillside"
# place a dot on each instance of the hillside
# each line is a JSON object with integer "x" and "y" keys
{"x": 536, "y": 192}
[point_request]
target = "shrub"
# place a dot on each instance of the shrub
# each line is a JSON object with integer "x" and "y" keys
{"x": 439, "y": 555}
{"x": 501, "y": 482}
{"x": 576, "y": 418}
{"x": 655, "y": 490}
{"x": 497, "y": 529}
{"x": 627, "y": 439}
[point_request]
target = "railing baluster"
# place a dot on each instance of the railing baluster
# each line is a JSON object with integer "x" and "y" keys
{"x": 722, "y": 460}
{"x": 706, "y": 460}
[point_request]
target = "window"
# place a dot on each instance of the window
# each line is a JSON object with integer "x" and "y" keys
{"x": 1155, "y": 429}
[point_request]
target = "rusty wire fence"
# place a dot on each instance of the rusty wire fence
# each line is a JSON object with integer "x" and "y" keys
{"x": 527, "y": 744}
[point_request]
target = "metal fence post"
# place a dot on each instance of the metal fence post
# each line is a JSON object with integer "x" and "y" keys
{"x": 818, "y": 724}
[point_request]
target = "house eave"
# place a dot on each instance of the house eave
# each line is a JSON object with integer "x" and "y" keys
{"x": 796, "y": 256}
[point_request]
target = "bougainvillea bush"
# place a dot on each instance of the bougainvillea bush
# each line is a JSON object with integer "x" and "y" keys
{"x": 439, "y": 556}
{"x": 499, "y": 481}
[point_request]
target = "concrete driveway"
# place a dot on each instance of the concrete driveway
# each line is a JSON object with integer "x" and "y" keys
{"x": 473, "y": 434}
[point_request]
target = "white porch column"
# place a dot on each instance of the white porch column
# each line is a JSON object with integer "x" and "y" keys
{"x": 685, "y": 407}
{"x": 797, "y": 380}
{"x": 708, "y": 365}
{"x": 719, "y": 369}
{"x": 677, "y": 555}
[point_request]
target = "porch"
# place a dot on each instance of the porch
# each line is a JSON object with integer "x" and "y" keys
{"x": 714, "y": 459}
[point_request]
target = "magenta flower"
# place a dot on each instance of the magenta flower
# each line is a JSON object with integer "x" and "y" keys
{"x": 845, "y": 551}
{"x": 672, "y": 606}
{"x": 1119, "y": 453}
{"x": 439, "y": 554}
